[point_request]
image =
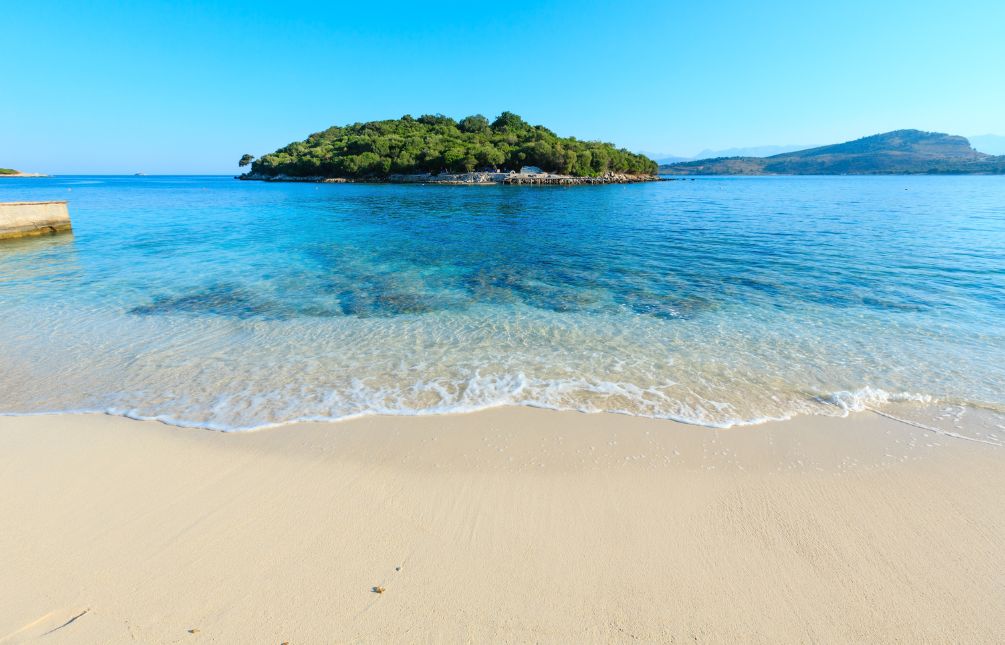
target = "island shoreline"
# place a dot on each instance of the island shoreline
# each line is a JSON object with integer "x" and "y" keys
{"x": 467, "y": 179}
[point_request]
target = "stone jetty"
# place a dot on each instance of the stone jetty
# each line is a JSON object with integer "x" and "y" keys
{"x": 24, "y": 219}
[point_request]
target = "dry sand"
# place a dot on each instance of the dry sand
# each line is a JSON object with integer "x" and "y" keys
{"x": 512, "y": 525}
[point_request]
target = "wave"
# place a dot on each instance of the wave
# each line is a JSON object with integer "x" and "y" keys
{"x": 867, "y": 397}
{"x": 229, "y": 414}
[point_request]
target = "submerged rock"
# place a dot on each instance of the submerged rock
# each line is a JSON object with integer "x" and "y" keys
{"x": 219, "y": 300}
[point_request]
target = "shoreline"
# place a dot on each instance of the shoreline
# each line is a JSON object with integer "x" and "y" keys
{"x": 466, "y": 179}
{"x": 510, "y": 524}
{"x": 982, "y": 419}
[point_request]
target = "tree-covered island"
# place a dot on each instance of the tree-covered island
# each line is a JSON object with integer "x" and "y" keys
{"x": 436, "y": 145}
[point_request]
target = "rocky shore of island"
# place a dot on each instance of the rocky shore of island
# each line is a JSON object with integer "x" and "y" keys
{"x": 469, "y": 178}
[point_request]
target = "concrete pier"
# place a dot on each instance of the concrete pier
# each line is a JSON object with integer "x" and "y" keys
{"x": 24, "y": 219}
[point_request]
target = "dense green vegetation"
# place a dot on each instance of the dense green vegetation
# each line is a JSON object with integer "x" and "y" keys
{"x": 436, "y": 143}
{"x": 9, "y": 171}
{"x": 898, "y": 152}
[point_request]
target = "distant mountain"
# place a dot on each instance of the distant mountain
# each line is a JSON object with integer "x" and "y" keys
{"x": 665, "y": 157}
{"x": 993, "y": 144}
{"x": 898, "y": 152}
{"x": 754, "y": 151}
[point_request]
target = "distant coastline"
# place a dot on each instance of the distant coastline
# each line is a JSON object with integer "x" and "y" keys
{"x": 10, "y": 172}
{"x": 902, "y": 152}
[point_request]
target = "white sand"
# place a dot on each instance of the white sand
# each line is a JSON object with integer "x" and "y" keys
{"x": 512, "y": 525}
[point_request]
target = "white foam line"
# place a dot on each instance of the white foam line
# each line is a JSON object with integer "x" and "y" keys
{"x": 467, "y": 409}
{"x": 444, "y": 410}
{"x": 931, "y": 429}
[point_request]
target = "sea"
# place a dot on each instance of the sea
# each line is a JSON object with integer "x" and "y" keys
{"x": 714, "y": 301}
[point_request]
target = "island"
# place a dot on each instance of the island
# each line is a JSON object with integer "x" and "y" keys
{"x": 439, "y": 149}
{"x": 890, "y": 153}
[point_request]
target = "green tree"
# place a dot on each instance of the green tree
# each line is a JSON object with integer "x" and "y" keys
{"x": 476, "y": 124}
{"x": 508, "y": 121}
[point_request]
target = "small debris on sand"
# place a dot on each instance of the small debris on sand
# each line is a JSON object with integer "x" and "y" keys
{"x": 193, "y": 631}
{"x": 378, "y": 590}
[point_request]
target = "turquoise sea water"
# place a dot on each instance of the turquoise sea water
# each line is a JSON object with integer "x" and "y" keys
{"x": 211, "y": 302}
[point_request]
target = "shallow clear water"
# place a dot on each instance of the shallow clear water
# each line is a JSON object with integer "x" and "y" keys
{"x": 720, "y": 301}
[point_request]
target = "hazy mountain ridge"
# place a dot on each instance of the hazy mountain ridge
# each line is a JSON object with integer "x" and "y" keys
{"x": 897, "y": 152}
{"x": 749, "y": 151}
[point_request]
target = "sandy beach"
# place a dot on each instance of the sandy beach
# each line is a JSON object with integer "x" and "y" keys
{"x": 635, "y": 336}
{"x": 510, "y": 525}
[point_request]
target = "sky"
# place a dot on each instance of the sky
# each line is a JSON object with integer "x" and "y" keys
{"x": 188, "y": 87}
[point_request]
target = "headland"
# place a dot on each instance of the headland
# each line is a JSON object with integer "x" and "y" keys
{"x": 10, "y": 172}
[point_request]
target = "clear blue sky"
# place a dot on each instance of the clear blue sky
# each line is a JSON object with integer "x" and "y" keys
{"x": 187, "y": 87}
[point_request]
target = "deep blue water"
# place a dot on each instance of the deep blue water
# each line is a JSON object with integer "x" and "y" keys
{"x": 209, "y": 301}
